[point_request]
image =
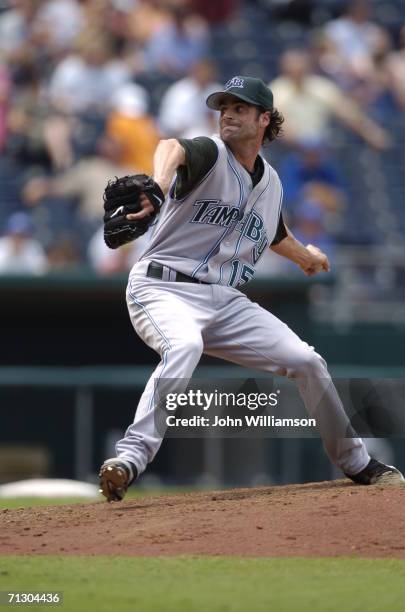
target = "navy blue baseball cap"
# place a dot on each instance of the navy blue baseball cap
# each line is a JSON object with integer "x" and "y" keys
{"x": 19, "y": 223}
{"x": 249, "y": 89}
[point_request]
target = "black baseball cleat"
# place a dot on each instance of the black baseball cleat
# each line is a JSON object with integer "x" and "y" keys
{"x": 376, "y": 472}
{"x": 115, "y": 477}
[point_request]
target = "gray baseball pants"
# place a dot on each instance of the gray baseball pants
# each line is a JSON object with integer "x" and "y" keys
{"x": 180, "y": 321}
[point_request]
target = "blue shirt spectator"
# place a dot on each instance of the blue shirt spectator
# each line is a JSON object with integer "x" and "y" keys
{"x": 309, "y": 164}
{"x": 175, "y": 47}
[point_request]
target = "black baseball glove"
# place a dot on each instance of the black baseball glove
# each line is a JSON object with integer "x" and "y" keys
{"x": 122, "y": 197}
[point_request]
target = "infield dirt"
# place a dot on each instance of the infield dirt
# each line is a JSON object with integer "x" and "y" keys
{"x": 313, "y": 520}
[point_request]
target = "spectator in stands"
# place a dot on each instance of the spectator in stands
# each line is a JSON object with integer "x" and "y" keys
{"x": 373, "y": 83}
{"x": 145, "y": 19}
{"x": 16, "y": 30}
{"x": 183, "y": 112}
{"x": 309, "y": 102}
{"x": 375, "y": 90}
{"x": 35, "y": 135}
{"x": 20, "y": 253}
{"x": 62, "y": 252}
{"x": 395, "y": 65}
{"x": 178, "y": 44}
{"x": 328, "y": 62}
{"x": 310, "y": 167}
{"x": 131, "y": 126}
{"x": 354, "y": 34}
{"x": 86, "y": 181}
{"x": 59, "y": 22}
{"x": 5, "y": 91}
{"x": 308, "y": 222}
{"x": 86, "y": 79}
{"x": 309, "y": 226}
{"x": 298, "y": 11}
{"x": 216, "y": 12}
{"x": 107, "y": 261}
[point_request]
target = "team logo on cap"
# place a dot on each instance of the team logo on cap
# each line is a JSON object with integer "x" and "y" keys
{"x": 235, "y": 82}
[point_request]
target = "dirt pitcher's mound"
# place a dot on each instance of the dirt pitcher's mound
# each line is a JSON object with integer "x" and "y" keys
{"x": 318, "y": 519}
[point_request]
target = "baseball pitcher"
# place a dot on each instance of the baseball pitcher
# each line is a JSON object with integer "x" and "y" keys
{"x": 216, "y": 205}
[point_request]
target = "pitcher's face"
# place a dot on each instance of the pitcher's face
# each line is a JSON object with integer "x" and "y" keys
{"x": 240, "y": 121}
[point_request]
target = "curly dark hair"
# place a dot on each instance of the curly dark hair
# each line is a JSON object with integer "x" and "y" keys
{"x": 274, "y": 129}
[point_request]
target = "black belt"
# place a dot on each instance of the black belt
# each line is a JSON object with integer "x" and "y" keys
{"x": 155, "y": 270}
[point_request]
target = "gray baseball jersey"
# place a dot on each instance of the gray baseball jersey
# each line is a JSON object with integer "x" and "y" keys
{"x": 219, "y": 230}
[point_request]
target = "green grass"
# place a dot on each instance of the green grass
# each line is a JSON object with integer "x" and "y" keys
{"x": 217, "y": 584}
{"x": 26, "y": 502}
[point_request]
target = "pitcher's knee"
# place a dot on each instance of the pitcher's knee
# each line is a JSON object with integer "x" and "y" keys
{"x": 191, "y": 347}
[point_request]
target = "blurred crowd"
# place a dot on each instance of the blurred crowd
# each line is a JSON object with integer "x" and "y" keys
{"x": 88, "y": 87}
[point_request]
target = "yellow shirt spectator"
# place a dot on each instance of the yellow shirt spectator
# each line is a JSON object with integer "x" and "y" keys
{"x": 133, "y": 129}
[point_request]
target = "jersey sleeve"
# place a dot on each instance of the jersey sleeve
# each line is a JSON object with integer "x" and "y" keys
{"x": 201, "y": 155}
{"x": 281, "y": 232}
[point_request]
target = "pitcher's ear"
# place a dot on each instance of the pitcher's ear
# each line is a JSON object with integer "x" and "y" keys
{"x": 265, "y": 119}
